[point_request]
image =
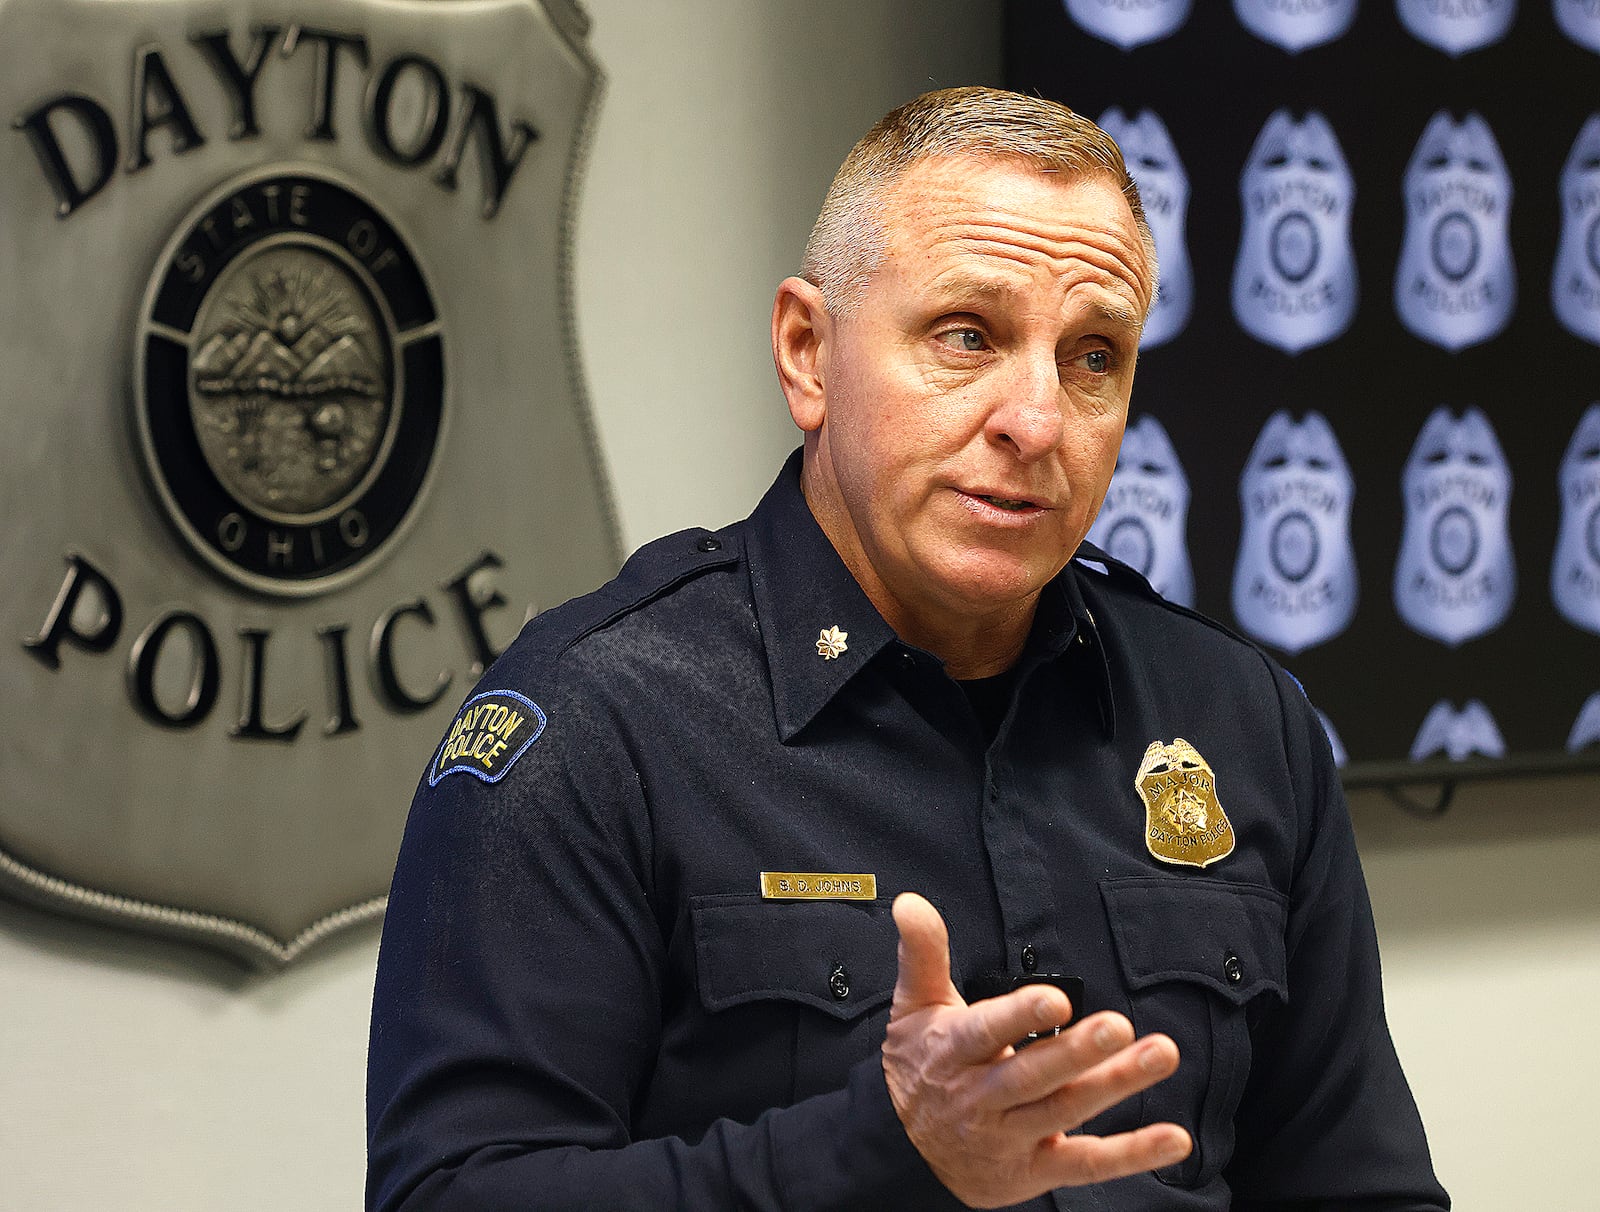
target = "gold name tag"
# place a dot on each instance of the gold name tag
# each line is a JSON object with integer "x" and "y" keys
{"x": 818, "y": 886}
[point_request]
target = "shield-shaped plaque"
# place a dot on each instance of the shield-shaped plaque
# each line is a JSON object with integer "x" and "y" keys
{"x": 294, "y": 437}
{"x": 1183, "y": 821}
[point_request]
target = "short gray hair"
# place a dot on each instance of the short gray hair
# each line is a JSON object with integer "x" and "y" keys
{"x": 847, "y": 242}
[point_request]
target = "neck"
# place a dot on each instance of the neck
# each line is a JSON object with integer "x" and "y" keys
{"x": 973, "y": 640}
{"x": 973, "y": 646}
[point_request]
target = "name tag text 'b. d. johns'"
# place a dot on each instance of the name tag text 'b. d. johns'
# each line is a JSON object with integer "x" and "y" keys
{"x": 818, "y": 886}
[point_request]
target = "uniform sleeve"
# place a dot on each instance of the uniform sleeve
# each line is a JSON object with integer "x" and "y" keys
{"x": 517, "y": 1015}
{"x": 1327, "y": 1119}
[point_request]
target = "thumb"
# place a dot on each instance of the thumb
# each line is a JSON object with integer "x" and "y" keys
{"x": 924, "y": 978}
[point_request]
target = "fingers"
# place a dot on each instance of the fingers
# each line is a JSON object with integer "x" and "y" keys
{"x": 1038, "y": 1071}
{"x": 990, "y": 1119}
{"x": 995, "y": 1023}
{"x": 924, "y": 977}
{"x": 1079, "y": 1160}
{"x": 1080, "y": 1096}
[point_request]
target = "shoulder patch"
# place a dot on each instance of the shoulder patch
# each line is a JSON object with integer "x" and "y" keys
{"x": 491, "y": 731}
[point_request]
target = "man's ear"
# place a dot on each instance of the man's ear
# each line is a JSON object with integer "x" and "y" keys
{"x": 802, "y": 332}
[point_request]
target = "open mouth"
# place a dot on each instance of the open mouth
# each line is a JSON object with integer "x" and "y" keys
{"x": 1010, "y": 504}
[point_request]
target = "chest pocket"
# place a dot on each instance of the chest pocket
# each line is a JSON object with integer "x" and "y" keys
{"x": 1194, "y": 953}
{"x": 812, "y": 979}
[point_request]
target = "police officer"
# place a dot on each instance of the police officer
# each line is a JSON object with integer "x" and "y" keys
{"x": 764, "y": 876}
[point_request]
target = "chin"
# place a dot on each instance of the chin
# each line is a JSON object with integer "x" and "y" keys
{"x": 996, "y": 583}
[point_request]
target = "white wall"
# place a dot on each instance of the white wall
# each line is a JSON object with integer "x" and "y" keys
{"x": 1489, "y": 920}
{"x": 724, "y": 123}
{"x": 135, "y": 1074}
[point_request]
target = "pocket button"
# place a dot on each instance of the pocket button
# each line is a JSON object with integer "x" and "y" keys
{"x": 839, "y": 983}
{"x": 1233, "y": 969}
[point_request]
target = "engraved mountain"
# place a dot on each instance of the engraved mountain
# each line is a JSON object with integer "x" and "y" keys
{"x": 313, "y": 366}
{"x": 290, "y": 383}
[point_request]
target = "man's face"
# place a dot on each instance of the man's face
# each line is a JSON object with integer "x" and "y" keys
{"x": 972, "y": 404}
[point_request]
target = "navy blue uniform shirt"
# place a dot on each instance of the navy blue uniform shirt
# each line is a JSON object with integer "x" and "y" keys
{"x": 585, "y": 1002}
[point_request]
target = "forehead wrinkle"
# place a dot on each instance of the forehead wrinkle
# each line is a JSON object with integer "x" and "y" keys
{"x": 941, "y": 204}
{"x": 1072, "y": 235}
{"x": 963, "y": 281}
{"x": 1118, "y": 263}
{"x": 1056, "y": 246}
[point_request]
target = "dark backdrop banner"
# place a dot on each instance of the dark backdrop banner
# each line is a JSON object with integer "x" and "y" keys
{"x": 1365, "y": 429}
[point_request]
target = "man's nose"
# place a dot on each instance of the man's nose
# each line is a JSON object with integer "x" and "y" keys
{"x": 1029, "y": 413}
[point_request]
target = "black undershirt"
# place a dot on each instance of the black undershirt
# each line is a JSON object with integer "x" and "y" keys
{"x": 990, "y": 699}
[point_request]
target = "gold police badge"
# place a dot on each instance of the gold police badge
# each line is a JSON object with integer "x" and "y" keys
{"x": 1183, "y": 820}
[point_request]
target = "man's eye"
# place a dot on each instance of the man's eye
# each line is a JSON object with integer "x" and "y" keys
{"x": 1097, "y": 361}
{"x": 967, "y": 339}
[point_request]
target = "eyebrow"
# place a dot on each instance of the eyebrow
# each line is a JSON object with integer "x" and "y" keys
{"x": 967, "y": 284}
{"x": 1119, "y": 315}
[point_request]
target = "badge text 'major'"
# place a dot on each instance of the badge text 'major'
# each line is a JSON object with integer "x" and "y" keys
{"x": 80, "y": 162}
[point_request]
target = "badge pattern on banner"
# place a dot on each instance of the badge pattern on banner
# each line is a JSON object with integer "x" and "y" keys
{"x": 1580, "y": 21}
{"x": 1294, "y": 583}
{"x": 1340, "y": 757}
{"x": 1456, "y": 577}
{"x": 1164, "y": 193}
{"x": 1294, "y": 26}
{"x": 1145, "y": 514}
{"x": 1456, "y": 27}
{"x": 1456, "y": 284}
{"x": 1575, "y": 571}
{"x": 1575, "y": 282}
{"x": 1129, "y": 25}
{"x": 1458, "y": 735}
{"x": 1415, "y": 379}
{"x": 1586, "y": 728}
{"x": 1294, "y": 281}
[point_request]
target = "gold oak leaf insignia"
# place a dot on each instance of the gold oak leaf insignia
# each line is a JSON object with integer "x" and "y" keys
{"x": 831, "y": 643}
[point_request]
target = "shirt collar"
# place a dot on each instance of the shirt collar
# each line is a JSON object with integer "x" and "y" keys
{"x": 803, "y": 589}
{"x": 803, "y": 594}
{"x": 1088, "y": 637}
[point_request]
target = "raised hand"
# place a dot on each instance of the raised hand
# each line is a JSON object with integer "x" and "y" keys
{"x": 991, "y": 1120}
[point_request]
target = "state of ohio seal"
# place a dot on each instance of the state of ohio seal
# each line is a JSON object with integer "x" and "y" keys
{"x": 290, "y": 382}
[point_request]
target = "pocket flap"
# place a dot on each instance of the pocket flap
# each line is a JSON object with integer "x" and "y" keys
{"x": 838, "y": 957}
{"x": 1227, "y": 937}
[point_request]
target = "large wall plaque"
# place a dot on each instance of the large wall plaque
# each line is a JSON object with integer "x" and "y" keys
{"x": 292, "y": 433}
